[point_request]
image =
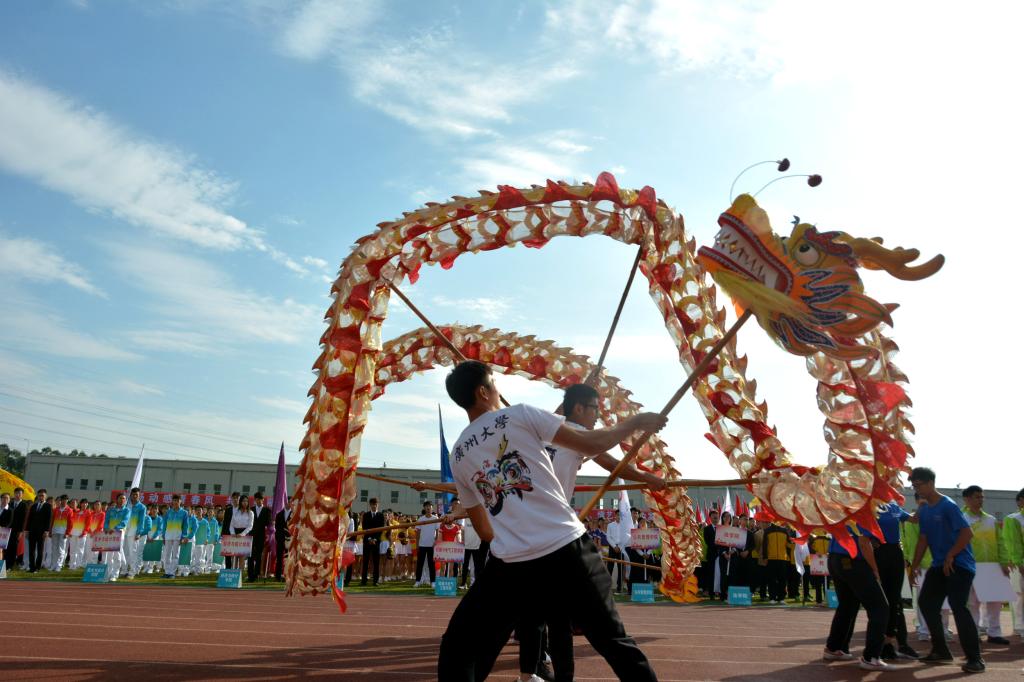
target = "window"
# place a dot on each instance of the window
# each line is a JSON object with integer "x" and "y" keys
{"x": 216, "y": 488}
{"x": 99, "y": 483}
{"x": 246, "y": 489}
{"x": 68, "y": 482}
{"x": 394, "y": 497}
{"x": 423, "y": 497}
{"x": 262, "y": 489}
{"x": 364, "y": 495}
{"x": 127, "y": 484}
{"x": 187, "y": 487}
{"x": 202, "y": 487}
{"x": 159, "y": 485}
{"x": 83, "y": 484}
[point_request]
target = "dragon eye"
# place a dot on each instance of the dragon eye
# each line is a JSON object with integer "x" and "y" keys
{"x": 806, "y": 254}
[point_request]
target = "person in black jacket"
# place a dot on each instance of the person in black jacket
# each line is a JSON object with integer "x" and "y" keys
{"x": 261, "y": 521}
{"x": 40, "y": 516}
{"x": 225, "y": 524}
{"x": 18, "y": 509}
{"x": 711, "y": 552}
{"x": 280, "y": 537}
{"x": 371, "y": 541}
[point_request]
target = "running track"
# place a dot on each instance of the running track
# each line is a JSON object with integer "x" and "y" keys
{"x": 71, "y": 631}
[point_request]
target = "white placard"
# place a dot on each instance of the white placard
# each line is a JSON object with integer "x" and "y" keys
{"x": 5, "y": 536}
{"x": 644, "y": 538}
{"x": 730, "y": 536}
{"x": 236, "y": 545}
{"x": 108, "y": 541}
{"x": 449, "y": 551}
{"x": 819, "y": 564}
{"x": 991, "y": 585}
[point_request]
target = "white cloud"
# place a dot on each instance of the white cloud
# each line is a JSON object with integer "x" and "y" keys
{"x": 29, "y": 326}
{"x": 286, "y": 405}
{"x": 315, "y": 262}
{"x": 519, "y": 165}
{"x": 196, "y": 296}
{"x": 138, "y": 389}
{"x": 314, "y": 30}
{"x": 24, "y": 258}
{"x": 476, "y": 308}
{"x": 175, "y": 341}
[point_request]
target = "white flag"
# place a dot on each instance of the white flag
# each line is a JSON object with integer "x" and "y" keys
{"x": 625, "y": 519}
{"x": 137, "y": 478}
{"x": 727, "y": 507}
{"x": 800, "y": 552}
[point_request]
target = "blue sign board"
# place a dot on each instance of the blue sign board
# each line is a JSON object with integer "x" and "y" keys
{"x": 444, "y": 587}
{"x": 643, "y": 593}
{"x": 229, "y": 577}
{"x": 833, "y": 600}
{"x": 740, "y": 596}
{"x": 95, "y": 573}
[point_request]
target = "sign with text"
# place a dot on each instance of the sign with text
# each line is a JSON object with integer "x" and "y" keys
{"x": 5, "y": 536}
{"x": 642, "y": 593}
{"x": 236, "y": 545}
{"x": 644, "y": 538}
{"x": 449, "y": 551}
{"x": 108, "y": 541}
{"x": 819, "y": 564}
{"x": 444, "y": 587}
{"x": 740, "y": 596}
{"x": 729, "y": 536}
{"x": 833, "y": 599}
{"x": 230, "y": 578}
{"x": 95, "y": 573}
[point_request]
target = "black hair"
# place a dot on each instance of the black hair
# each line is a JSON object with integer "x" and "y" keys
{"x": 577, "y": 394}
{"x": 41, "y": 491}
{"x": 175, "y": 497}
{"x": 1020, "y": 495}
{"x": 134, "y": 490}
{"x": 258, "y": 495}
{"x": 462, "y": 382}
{"x": 971, "y": 491}
{"x": 19, "y": 490}
{"x": 235, "y": 494}
{"x": 922, "y": 475}
{"x": 373, "y": 500}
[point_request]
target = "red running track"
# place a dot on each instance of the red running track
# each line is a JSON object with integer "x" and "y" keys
{"x": 71, "y": 631}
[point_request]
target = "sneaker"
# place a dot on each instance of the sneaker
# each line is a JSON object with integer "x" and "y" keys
{"x": 830, "y": 655}
{"x": 1001, "y": 641}
{"x": 977, "y": 666}
{"x": 907, "y": 652}
{"x": 888, "y": 653}
{"x": 167, "y": 575}
{"x": 874, "y": 664}
{"x": 937, "y": 658}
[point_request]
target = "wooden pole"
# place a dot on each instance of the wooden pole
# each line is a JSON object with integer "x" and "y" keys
{"x": 631, "y": 563}
{"x": 615, "y": 320}
{"x": 680, "y": 483}
{"x": 430, "y": 325}
{"x": 397, "y": 481}
{"x": 400, "y": 526}
{"x": 698, "y": 371}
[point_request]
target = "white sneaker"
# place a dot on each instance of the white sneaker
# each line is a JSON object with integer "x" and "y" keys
{"x": 829, "y": 655}
{"x": 874, "y": 664}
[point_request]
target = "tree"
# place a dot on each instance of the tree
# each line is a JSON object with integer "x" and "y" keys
{"x": 12, "y": 460}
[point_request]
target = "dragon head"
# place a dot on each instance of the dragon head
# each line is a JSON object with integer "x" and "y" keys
{"x": 804, "y": 288}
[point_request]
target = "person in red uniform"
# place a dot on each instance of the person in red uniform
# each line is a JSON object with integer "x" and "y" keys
{"x": 450, "y": 532}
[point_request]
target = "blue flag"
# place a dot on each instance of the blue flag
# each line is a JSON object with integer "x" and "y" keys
{"x": 446, "y": 466}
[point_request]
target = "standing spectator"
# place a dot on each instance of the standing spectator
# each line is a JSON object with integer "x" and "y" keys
{"x": 59, "y": 527}
{"x": 156, "y": 534}
{"x": 188, "y": 537}
{"x": 19, "y": 521}
{"x": 775, "y": 550}
{"x": 135, "y": 533}
{"x": 95, "y": 525}
{"x": 261, "y": 522}
{"x": 6, "y": 518}
{"x": 1013, "y": 538}
{"x": 116, "y": 520}
{"x": 711, "y": 550}
{"x": 615, "y": 548}
{"x": 225, "y": 525}
{"x": 37, "y": 527}
{"x": 471, "y": 539}
{"x": 352, "y": 545}
{"x": 987, "y": 546}
{"x": 371, "y": 541}
{"x": 281, "y": 535}
{"x": 77, "y": 535}
{"x": 175, "y": 526}
{"x": 856, "y": 580}
{"x": 946, "y": 532}
{"x": 241, "y": 519}
{"x": 201, "y": 545}
{"x": 425, "y": 536}
{"x": 891, "y": 567}
{"x": 818, "y": 545}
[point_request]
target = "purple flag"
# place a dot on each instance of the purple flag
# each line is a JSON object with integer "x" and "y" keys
{"x": 280, "y": 497}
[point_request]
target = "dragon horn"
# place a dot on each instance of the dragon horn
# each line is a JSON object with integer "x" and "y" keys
{"x": 874, "y": 256}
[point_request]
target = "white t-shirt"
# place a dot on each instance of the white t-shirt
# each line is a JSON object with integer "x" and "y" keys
{"x": 500, "y": 462}
{"x": 567, "y": 465}
{"x": 469, "y": 535}
{"x": 428, "y": 532}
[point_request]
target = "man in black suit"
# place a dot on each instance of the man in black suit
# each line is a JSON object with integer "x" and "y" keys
{"x": 280, "y": 537}
{"x": 260, "y": 522}
{"x": 371, "y": 541}
{"x": 225, "y": 525}
{"x": 40, "y": 516}
{"x": 18, "y": 509}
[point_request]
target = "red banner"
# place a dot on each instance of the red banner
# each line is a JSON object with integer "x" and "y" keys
{"x": 190, "y": 499}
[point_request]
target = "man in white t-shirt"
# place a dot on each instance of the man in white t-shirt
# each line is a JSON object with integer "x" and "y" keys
{"x": 425, "y": 544}
{"x": 542, "y": 561}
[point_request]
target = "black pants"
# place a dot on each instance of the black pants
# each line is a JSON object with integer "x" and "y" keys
{"x": 891, "y": 562}
{"x": 477, "y": 556}
{"x": 955, "y": 587}
{"x": 777, "y": 570}
{"x": 616, "y": 553}
{"x": 279, "y": 563}
{"x": 371, "y": 554}
{"x": 856, "y": 585}
{"x": 426, "y": 554}
{"x": 570, "y": 581}
{"x": 255, "y": 561}
{"x": 815, "y": 581}
{"x": 758, "y": 578}
{"x": 35, "y": 550}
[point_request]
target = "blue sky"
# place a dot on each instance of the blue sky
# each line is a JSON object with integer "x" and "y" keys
{"x": 179, "y": 182}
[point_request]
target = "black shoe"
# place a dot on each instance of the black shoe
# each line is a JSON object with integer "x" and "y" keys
{"x": 888, "y": 653}
{"x": 937, "y": 658}
{"x": 906, "y": 651}
{"x": 362, "y": 583}
{"x": 545, "y": 672}
{"x": 977, "y": 666}
{"x": 1001, "y": 641}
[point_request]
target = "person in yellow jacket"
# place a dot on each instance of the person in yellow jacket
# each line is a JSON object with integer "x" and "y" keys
{"x": 987, "y": 545}
{"x": 775, "y": 550}
{"x": 1013, "y": 539}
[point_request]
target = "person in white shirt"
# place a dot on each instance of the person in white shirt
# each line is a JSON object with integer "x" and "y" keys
{"x": 473, "y": 544}
{"x": 425, "y": 544}
{"x": 543, "y": 563}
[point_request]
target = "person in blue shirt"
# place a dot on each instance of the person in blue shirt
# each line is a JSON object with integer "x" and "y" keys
{"x": 175, "y": 527}
{"x": 855, "y": 577}
{"x": 946, "y": 532}
{"x": 135, "y": 534}
{"x": 891, "y": 567}
{"x": 116, "y": 520}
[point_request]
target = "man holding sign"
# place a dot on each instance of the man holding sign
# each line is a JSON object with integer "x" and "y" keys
{"x": 993, "y": 569}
